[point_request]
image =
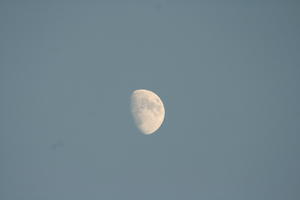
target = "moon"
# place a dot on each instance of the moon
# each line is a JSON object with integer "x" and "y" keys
{"x": 147, "y": 110}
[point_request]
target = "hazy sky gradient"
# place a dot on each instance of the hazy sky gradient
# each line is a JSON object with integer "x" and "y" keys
{"x": 228, "y": 73}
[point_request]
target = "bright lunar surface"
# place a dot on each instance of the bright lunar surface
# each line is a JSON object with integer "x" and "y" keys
{"x": 148, "y": 111}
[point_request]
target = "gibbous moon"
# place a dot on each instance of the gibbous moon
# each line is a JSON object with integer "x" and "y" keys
{"x": 147, "y": 110}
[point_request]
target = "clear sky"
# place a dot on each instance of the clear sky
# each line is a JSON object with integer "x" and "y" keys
{"x": 228, "y": 73}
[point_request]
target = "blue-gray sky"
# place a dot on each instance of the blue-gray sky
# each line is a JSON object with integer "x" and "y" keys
{"x": 228, "y": 73}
